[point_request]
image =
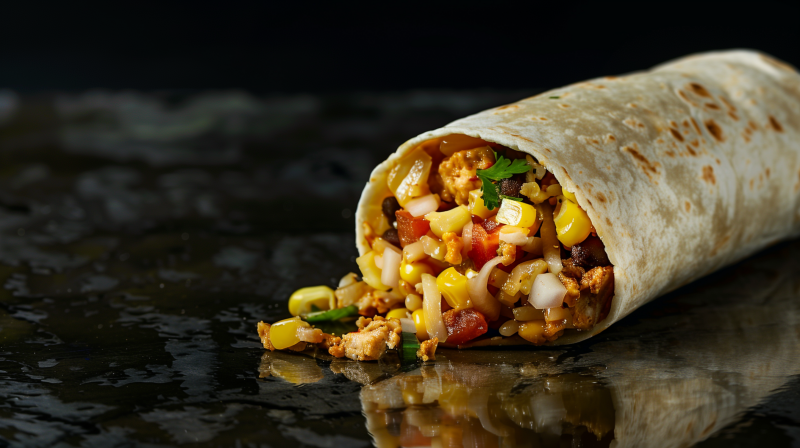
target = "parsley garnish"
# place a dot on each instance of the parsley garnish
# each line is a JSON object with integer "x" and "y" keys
{"x": 555, "y": 97}
{"x": 502, "y": 169}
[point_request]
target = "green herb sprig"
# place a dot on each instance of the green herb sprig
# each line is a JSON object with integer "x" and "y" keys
{"x": 331, "y": 315}
{"x": 502, "y": 169}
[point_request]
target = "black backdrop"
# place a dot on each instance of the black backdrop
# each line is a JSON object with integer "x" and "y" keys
{"x": 272, "y": 47}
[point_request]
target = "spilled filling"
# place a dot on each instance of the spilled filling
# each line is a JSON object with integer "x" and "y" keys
{"x": 478, "y": 244}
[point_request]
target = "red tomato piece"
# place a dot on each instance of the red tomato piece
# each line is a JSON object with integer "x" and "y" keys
{"x": 409, "y": 228}
{"x": 464, "y": 325}
{"x": 484, "y": 245}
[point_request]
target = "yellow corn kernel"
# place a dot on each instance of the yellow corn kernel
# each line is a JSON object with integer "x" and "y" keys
{"x": 413, "y": 302}
{"x": 527, "y": 313}
{"x": 572, "y": 224}
{"x": 533, "y": 331}
{"x": 450, "y": 221}
{"x": 397, "y": 313}
{"x": 370, "y": 272}
{"x": 404, "y": 288}
{"x": 412, "y": 272}
{"x": 516, "y": 213}
{"x": 320, "y": 296}
{"x": 418, "y": 316}
{"x": 453, "y": 286}
{"x": 568, "y": 195}
{"x": 283, "y": 334}
{"x": 533, "y": 191}
{"x": 477, "y": 207}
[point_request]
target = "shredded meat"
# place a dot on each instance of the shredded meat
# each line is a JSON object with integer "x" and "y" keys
{"x": 570, "y": 277}
{"x": 371, "y": 341}
{"x": 312, "y": 335}
{"x": 508, "y": 251}
{"x": 427, "y": 349}
{"x": 454, "y": 247}
{"x": 457, "y": 173}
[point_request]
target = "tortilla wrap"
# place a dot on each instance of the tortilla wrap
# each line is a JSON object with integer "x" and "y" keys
{"x": 683, "y": 169}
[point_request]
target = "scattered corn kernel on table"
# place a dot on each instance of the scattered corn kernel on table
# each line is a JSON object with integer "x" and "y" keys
{"x": 142, "y": 237}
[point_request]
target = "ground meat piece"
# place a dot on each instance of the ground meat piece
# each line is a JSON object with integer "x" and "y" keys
{"x": 590, "y": 253}
{"x": 595, "y": 300}
{"x": 554, "y": 329}
{"x": 512, "y": 185}
{"x": 371, "y": 341}
{"x": 571, "y": 269}
{"x": 263, "y": 333}
{"x": 573, "y": 289}
{"x": 391, "y": 236}
{"x": 508, "y": 251}
{"x": 427, "y": 349}
{"x": 312, "y": 335}
{"x": 390, "y": 206}
{"x": 454, "y": 247}
{"x": 328, "y": 341}
{"x": 457, "y": 173}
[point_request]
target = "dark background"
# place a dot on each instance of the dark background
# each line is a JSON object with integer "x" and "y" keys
{"x": 292, "y": 47}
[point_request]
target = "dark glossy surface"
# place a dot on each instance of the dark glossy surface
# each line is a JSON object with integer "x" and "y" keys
{"x": 142, "y": 237}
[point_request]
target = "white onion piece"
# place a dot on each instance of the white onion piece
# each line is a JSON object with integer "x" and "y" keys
{"x": 550, "y": 245}
{"x": 432, "y": 308}
{"x": 390, "y": 272}
{"x": 414, "y": 252}
{"x": 481, "y": 299}
{"x": 422, "y": 205}
{"x": 533, "y": 245}
{"x": 349, "y": 279}
{"x": 547, "y": 291}
{"x": 515, "y": 238}
{"x": 408, "y": 325}
{"x": 466, "y": 237}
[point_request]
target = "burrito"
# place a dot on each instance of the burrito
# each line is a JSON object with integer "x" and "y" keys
{"x": 547, "y": 220}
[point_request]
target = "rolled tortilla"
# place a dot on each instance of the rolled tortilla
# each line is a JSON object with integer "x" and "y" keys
{"x": 683, "y": 169}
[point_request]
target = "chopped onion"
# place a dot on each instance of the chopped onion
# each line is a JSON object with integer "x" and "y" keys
{"x": 349, "y": 279}
{"x": 422, "y": 205}
{"x": 390, "y": 272}
{"x": 481, "y": 299}
{"x": 547, "y": 291}
{"x": 517, "y": 238}
{"x": 533, "y": 245}
{"x": 432, "y": 308}
{"x": 414, "y": 252}
{"x": 378, "y": 261}
{"x": 466, "y": 237}
{"x": 408, "y": 325}
{"x": 550, "y": 245}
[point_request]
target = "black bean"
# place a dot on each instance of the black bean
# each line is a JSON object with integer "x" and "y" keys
{"x": 590, "y": 253}
{"x": 392, "y": 236}
{"x": 390, "y": 206}
{"x": 512, "y": 185}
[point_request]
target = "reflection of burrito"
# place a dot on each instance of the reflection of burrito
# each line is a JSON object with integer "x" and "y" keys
{"x": 685, "y": 378}
{"x": 554, "y": 217}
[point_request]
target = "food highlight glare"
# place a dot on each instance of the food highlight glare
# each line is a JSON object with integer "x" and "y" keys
{"x": 478, "y": 239}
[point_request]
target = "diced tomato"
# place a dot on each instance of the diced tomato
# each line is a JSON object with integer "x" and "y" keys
{"x": 484, "y": 244}
{"x": 464, "y": 325}
{"x": 409, "y": 228}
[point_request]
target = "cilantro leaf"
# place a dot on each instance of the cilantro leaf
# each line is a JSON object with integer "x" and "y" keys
{"x": 502, "y": 169}
{"x": 513, "y": 198}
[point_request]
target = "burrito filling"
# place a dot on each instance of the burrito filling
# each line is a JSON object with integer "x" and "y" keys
{"x": 477, "y": 244}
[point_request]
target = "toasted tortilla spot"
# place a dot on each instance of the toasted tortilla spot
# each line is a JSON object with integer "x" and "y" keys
{"x": 720, "y": 244}
{"x": 610, "y": 138}
{"x": 752, "y": 124}
{"x": 751, "y": 183}
{"x": 767, "y": 172}
{"x": 633, "y": 123}
{"x": 686, "y": 123}
{"x": 733, "y": 115}
{"x": 632, "y": 105}
{"x": 712, "y": 106}
{"x": 601, "y": 197}
{"x": 691, "y": 151}
{"x": 646, "y": 164}
{"x": 715, "y": 130}
{"x": 746, "y": 137}
{"x": 775, "y": 125}
{"x": 708, "y": 175}
{"x": 688, "y": 206}
{"x": 563, "y": 106}
{"x": 699, "y": 90}
{"x": 686, "y": 98}
{"x": 696, "y": 127}
{"x": 676, "y": 134}
{"x": 508, "y": 107}
{"x": 543, "y": 118}
{"x": 670, "y": 153}
{"x": 608, "y": 221}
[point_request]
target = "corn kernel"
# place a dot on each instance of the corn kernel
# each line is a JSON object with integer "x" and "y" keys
{"x": 527, "y": 313}
{"x": 568, "y": 195}
{"x": 477, "y": 207}
{"x": 453, "y": 286}
{"x": 283, "y": 334}
{"x": 418, "y": 316}
{"x": 516, "y": 213}
{"x": 450, "y": 221}
{"x": 397, "y": 313}
{"x": 412, "y": 272}
{"x": 509, "y": 328}
{"x": 533, "y": 331}
{"x": 572, "y": 224}
{"x": 413, "y": 302}
{"x": 320, "y": 296}
{"x": 370, "y": 271}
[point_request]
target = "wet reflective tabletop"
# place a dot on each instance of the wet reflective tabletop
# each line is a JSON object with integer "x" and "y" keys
{"x": 142, "y": 237}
